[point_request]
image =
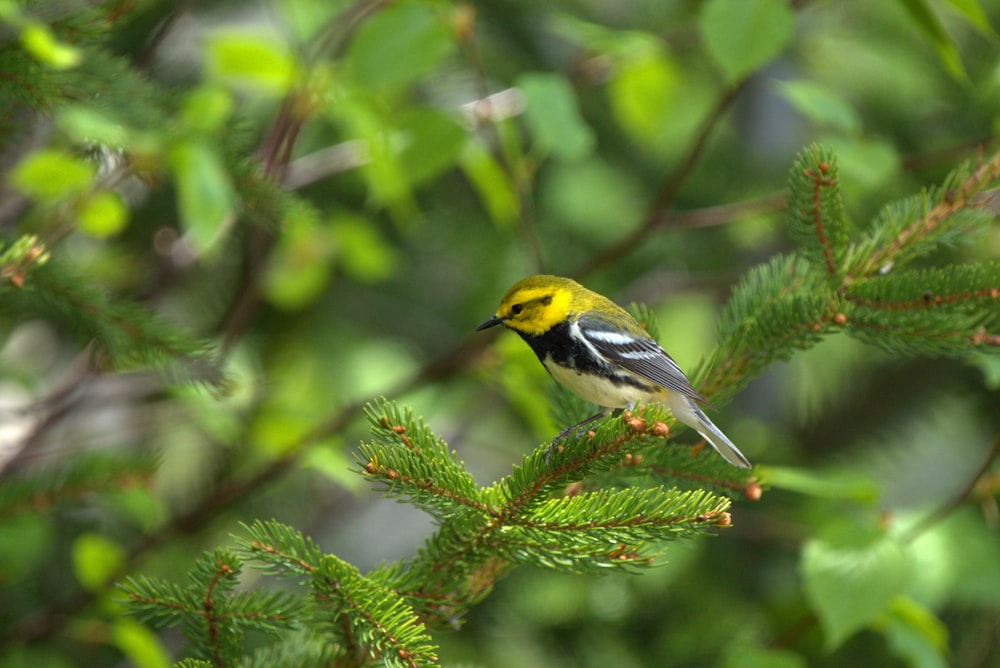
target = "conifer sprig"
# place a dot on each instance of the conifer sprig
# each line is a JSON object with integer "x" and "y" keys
{"x": 88, "y": 474}
{"x": 525, "y": 518}
{"x": 127, "y": 336}
{"x": 406, "y": 459}
{"x": 937, "y": 216}
{"x": 778, "y": 308}
{"x": 359, "y": 612}
{"x": 943, "y": 310}
{"x": 861, "y": 286}
{"x": 212, "y": 616}
{"x": 817, "y": 221}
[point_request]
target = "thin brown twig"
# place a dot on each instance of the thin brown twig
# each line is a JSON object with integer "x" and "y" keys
{"x": 670, "y": 188}
{"x": 946, "y": 155}
{"x": 723, "y": 214}
{"x": 953, "y": 504}
{"x": 275, "y": 154}
{"x": 517, "y": 171}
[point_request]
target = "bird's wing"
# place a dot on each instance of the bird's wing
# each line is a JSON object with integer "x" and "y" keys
{"x": 637, "y": 353}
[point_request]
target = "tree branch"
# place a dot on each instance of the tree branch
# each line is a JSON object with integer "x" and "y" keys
{"x": 670, "y": 188}
{"x": 953, "y": 504}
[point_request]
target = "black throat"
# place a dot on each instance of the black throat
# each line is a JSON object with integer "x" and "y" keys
{"x": 564, "y": 350}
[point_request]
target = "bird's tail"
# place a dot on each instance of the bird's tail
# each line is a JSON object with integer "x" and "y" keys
{"x": 685, "y": 410}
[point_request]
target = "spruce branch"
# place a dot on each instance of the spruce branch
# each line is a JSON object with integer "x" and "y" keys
{"x": 358, "y": 610}
{"x": 940, "y": 311}
{"x": 84, "y": 475}
{"x": 525, "y": 518}
{"x": 423, "y": 469}
{"x": 685, "y": 478}
{"x": 790, "y": 303}
{"x": 574, "y": 532}
{"x": 193, "y": 663}
{"x": 652, "y": 459}
{"x": 297, "y": 649}
{"x": 213, "y": 618}
{"x": 815, "y": 210}
{"x": 937, "y": 215}
{"x": 456, "y": 567}
{"x": 282, "y": 550}
{"x": 778, "y": 308}
{"x": 21, "y": 257}
{"x": 375, "y": 616}
{"x": 128, "y": 335}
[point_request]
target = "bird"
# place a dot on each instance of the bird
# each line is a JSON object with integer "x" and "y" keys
{"x": 598, "y": 351}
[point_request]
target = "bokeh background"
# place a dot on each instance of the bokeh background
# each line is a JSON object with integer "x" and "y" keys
{"x": 330, "y": 196}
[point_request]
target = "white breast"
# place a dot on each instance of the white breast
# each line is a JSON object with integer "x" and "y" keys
{"x": 599, "y": 390}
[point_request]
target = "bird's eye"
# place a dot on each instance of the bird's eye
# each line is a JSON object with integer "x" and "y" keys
{"x": 517, "y": 308}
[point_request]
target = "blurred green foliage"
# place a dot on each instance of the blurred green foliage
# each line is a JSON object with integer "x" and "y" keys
{"x": 227, "y": 225}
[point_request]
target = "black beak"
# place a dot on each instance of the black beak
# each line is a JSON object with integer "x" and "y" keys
{"x": 492, "y": 322}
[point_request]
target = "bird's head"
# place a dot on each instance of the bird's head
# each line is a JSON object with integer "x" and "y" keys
{"x": 533, "y": 305}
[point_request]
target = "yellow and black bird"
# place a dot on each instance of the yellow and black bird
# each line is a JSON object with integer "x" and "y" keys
{"x": 599, "y": 352}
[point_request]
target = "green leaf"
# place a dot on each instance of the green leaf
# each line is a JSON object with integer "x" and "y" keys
{"x": 586, "y": 195}
{"x": 92, "y": 126}
{"x": 102, "y": 215}
{"x": 821, "y": 105}
{"x": 299, "y": 268}
{"x": 491, "y": 182}
{"x": 852, "y": 576}
{"x": 96, "y": 560}
{"x": 973, "y": 12}
{"x": 205, "y": 196}
{"x": 932, "y": 28}
{"x": 826, "y": 485}
{"x": 138, "y": 507}
{"x": 744, "y": 35}
{"x": 915, "y": 634}
{"x": 643, "y": 91}
{"x": 140, "y": 646}
{"x": 989, "y": 366}
{"x": 385, "y": 175}
{"x": 52, "y": 174}
{"x": 254, "y": 60}
{"x": 760, "y": 657}
{"x": 39, "y": 41}
{"x": 362, "y": 251}
{"x": 206, "y": 109}
{"x": 974, "y": 565}
{"x": 399, "y": 44}
{"x": 431, "y": 143}
{"x": 553, "y": 117}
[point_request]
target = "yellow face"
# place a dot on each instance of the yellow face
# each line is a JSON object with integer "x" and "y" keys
{"x": 533, "y": 305}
